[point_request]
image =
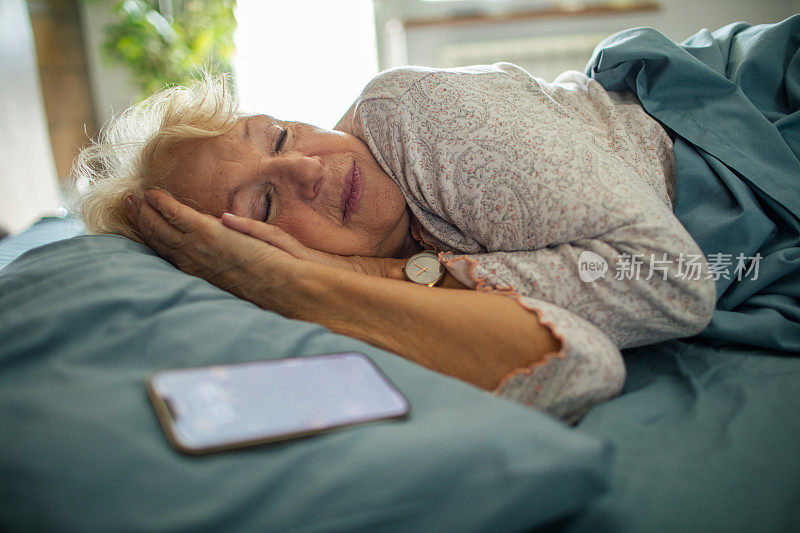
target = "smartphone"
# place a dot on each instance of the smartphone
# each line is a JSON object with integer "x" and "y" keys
{"x": 216, "y": 408}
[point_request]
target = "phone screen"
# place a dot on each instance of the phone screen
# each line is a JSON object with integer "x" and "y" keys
{"x": 225, "y": 406}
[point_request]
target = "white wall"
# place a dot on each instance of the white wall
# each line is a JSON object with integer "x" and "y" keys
{"x": 677, "y": 19}
{"x": 28, "y": 184}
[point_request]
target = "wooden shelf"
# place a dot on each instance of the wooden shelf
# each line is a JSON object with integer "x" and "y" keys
{"x": 533, "y": 14}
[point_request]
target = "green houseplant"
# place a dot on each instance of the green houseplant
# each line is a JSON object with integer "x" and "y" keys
{"x": 164, "y": 42}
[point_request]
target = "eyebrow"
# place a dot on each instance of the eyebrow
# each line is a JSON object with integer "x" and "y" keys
{"x": 247, "y": 129}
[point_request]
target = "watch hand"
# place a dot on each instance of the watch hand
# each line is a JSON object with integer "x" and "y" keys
{"x": 421, "y": 270}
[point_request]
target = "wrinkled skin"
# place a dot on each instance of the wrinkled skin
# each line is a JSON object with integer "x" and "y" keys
{"x": 293, "y": 176}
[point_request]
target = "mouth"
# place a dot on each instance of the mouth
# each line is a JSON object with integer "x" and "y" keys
{"x": 351, "y": 191}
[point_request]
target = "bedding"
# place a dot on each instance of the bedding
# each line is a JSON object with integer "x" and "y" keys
{"x": 706, "y": 431}
{"x": 84, "y": 321}
{"x": 732, "y": 100}
{"x": 45, "y": 231}
{"x": 706, "y": 438}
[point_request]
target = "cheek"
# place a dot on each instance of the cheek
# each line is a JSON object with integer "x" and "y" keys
{"x": 308, "y": 228}
{"x": 322, "y": 235}
{"x": 388, "y": 200}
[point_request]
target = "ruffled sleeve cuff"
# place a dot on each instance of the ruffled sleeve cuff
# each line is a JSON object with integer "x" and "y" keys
{"x": 588, "y": 369}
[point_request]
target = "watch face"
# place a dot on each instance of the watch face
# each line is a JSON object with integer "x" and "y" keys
{"x": 424, "y": 268}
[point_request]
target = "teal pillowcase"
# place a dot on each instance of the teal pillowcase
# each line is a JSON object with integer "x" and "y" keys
{"x": 45, "y": 231}
{"x": 84, "y": 321}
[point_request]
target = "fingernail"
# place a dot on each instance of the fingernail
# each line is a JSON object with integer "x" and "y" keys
{"x": 129, "y": 203}
{"x": 231, "y": 215}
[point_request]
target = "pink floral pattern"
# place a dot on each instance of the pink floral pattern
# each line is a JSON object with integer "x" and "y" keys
{"x": 511, "y": 178}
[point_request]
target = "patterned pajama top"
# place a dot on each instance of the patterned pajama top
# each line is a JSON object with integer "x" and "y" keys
{"x": 532, "y": 190}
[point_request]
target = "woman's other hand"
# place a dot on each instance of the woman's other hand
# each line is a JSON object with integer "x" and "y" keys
{"x": 202, "y": 246}
{"x": 268, "y": 233}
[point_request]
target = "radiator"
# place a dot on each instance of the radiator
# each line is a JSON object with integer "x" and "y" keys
{"x": 543, "y": 57}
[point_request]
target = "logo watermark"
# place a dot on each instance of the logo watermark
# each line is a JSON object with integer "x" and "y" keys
{"x": 592, "y": 266}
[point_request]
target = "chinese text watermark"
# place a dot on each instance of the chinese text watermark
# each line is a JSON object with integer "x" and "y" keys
{"x": 592, "y": 266}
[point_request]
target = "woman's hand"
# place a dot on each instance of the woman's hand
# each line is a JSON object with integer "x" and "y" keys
{"x": 202, "y": 246}
{"x": 372, "y": 266}
{"x": 277, "y": 237}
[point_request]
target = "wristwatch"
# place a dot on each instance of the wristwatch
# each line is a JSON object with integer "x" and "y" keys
{"x": 424, "y": 268}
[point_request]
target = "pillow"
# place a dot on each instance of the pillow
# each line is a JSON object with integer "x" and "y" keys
{"x": 84, "y": 321}
{"x": 45, "y": 231}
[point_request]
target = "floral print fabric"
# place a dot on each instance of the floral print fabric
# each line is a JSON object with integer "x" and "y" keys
{"x": 511, "y": 179}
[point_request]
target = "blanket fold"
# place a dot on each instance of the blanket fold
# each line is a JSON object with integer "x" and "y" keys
{"x": 732, "y": 99}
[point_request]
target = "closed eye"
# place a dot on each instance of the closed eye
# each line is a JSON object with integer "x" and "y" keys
{"x": 267, "y": 206}
{"x": 281, "y": 140}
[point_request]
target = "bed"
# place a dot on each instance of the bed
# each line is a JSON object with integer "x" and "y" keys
{"x": 704, "y": 437}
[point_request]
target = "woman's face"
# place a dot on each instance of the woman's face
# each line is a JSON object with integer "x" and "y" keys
{"x": 322, "y": 187}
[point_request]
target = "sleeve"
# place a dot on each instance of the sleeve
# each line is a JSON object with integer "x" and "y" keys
{"x": 540, "y": 201}
{"x": 588, "y": 369}
{"x": 639, "y": 283}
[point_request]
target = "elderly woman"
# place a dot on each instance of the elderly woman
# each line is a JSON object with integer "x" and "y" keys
{"x": 509, "y": 232}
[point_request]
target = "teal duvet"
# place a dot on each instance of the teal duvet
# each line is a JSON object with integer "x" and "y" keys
{"x": 707, "y": 431}
{"x": 732, "y": 98}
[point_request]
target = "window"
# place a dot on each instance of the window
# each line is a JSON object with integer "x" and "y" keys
{"x": 305, "y": 60}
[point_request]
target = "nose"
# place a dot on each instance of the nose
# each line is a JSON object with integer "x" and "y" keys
{"x": 304, "y": 173}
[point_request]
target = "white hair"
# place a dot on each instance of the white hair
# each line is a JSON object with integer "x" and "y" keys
{"x": 139, "y": 148}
